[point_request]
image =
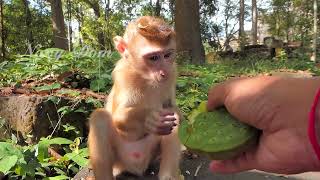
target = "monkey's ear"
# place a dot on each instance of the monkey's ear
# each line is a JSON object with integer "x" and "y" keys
{"x": 120, "y": 44}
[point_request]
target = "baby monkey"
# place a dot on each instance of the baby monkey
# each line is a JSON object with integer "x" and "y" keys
{"x": 140, "y": 118}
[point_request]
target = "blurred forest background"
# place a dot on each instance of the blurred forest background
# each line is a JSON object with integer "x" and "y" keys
{"x": 216, "y": 25}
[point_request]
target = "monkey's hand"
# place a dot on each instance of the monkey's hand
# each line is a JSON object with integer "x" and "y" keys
{"x": 161, "y": 123}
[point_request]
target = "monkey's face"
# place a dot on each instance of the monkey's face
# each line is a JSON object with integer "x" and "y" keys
{"x": 156, "y": 60}
{"x": 159, "y": 62}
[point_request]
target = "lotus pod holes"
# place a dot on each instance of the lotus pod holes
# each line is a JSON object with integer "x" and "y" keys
{"x": 216, "y": 134}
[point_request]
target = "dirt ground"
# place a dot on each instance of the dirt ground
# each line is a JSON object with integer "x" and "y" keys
{"x": 191, "y": 165}
{"x": 197, "y": 169}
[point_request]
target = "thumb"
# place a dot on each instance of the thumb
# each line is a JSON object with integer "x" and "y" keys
{"x": 241, "y": 163}
{"x": 217, "y": 95}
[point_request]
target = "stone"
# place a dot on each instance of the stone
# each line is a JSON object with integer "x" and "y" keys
{"x": 32, "y": 117}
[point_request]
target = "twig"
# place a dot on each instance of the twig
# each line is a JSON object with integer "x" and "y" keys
{"x": 54, "y": 153}
{"x": 95, "y": 95}
{"x": 21, "y": 91}
{"x": 60, "y": 117}
{"x": 197, "y": 170}
{"x": 59, "y": 120}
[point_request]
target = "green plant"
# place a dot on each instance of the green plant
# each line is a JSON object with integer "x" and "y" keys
{"x": 96, "y": 65}
{"x": 35, "y": 162}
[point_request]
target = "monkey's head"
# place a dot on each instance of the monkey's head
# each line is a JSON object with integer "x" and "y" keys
{"x": 149, "y": 46}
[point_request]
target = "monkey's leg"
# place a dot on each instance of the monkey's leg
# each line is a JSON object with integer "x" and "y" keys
{"x": 100, "y": 144}
{"x": 170, "y": 157}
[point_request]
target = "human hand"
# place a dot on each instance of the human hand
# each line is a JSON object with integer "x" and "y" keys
{"x": 279, "y": 107}
{"x": 161, "y": 123}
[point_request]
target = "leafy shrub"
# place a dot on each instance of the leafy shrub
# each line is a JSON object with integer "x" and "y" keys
{"x": 96, "y": 65}
{"x": 33, "y": 161}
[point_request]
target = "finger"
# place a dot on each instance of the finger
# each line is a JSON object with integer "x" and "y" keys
{"x": 166, "y": 124}
{"x": 166, "y": 112}
{"x": 158, "y": 127}
{"x": 217, "y": 95}
{"x": 242, "y": 163}
{"x": 167, "y": 118}
{"x": 166, "y": 131}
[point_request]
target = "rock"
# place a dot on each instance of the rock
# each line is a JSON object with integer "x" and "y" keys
{"x": 36, "y": 116}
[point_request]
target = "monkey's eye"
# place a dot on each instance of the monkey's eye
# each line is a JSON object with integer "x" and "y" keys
{"x": 154, "y": 58}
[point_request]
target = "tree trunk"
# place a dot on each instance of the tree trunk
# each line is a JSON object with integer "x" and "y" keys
{"x": 28, "y": 25}
{"x": 151, "y": 6}
{"x": 315, "y": 29}
{"x": 241, "y": 26}
{"x": 59, "y": 32}
{"x": 301, "y": 27}
{"x": 79, "y": 16}
{"x": 2, "y": 38}
{"x": 107, "y": 9}
{"x": 172, "y": 9}
{"x": 157, "y": 8}
{"x": 187, "y": 26}
{"x": 226, "y": 43}
{"x": 79, "y": 31}
{"x": 109, "y": 43}
{"x": 70, "y": 45}
{"x": 254, "y": 22}
{"x": 226, "y": 27}
{"x": 96, "y": 9}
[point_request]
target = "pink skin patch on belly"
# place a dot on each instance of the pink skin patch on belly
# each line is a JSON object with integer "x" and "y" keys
{"x": 136, "y": 155}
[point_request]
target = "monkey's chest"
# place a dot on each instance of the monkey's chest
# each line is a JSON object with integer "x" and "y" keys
{"x": 156, "y": 99}
{"x": 135, "y": 156}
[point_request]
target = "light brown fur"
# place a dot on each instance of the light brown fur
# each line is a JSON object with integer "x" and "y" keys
{"x": 123, "y": 136}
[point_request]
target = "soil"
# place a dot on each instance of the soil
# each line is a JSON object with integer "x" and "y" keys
{"x": 196, "y": 168}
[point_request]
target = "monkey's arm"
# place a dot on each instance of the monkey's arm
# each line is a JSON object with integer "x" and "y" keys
{"x": 129, "y": 121}
{"x": 100, "y": 143}
{"x": 177, "y": 111}
{"x": 171, "y": 147}
{"x": 163, "y": 121}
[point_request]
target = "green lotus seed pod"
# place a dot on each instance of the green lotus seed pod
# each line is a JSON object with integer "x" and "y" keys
{"x": 216, "y": 134}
